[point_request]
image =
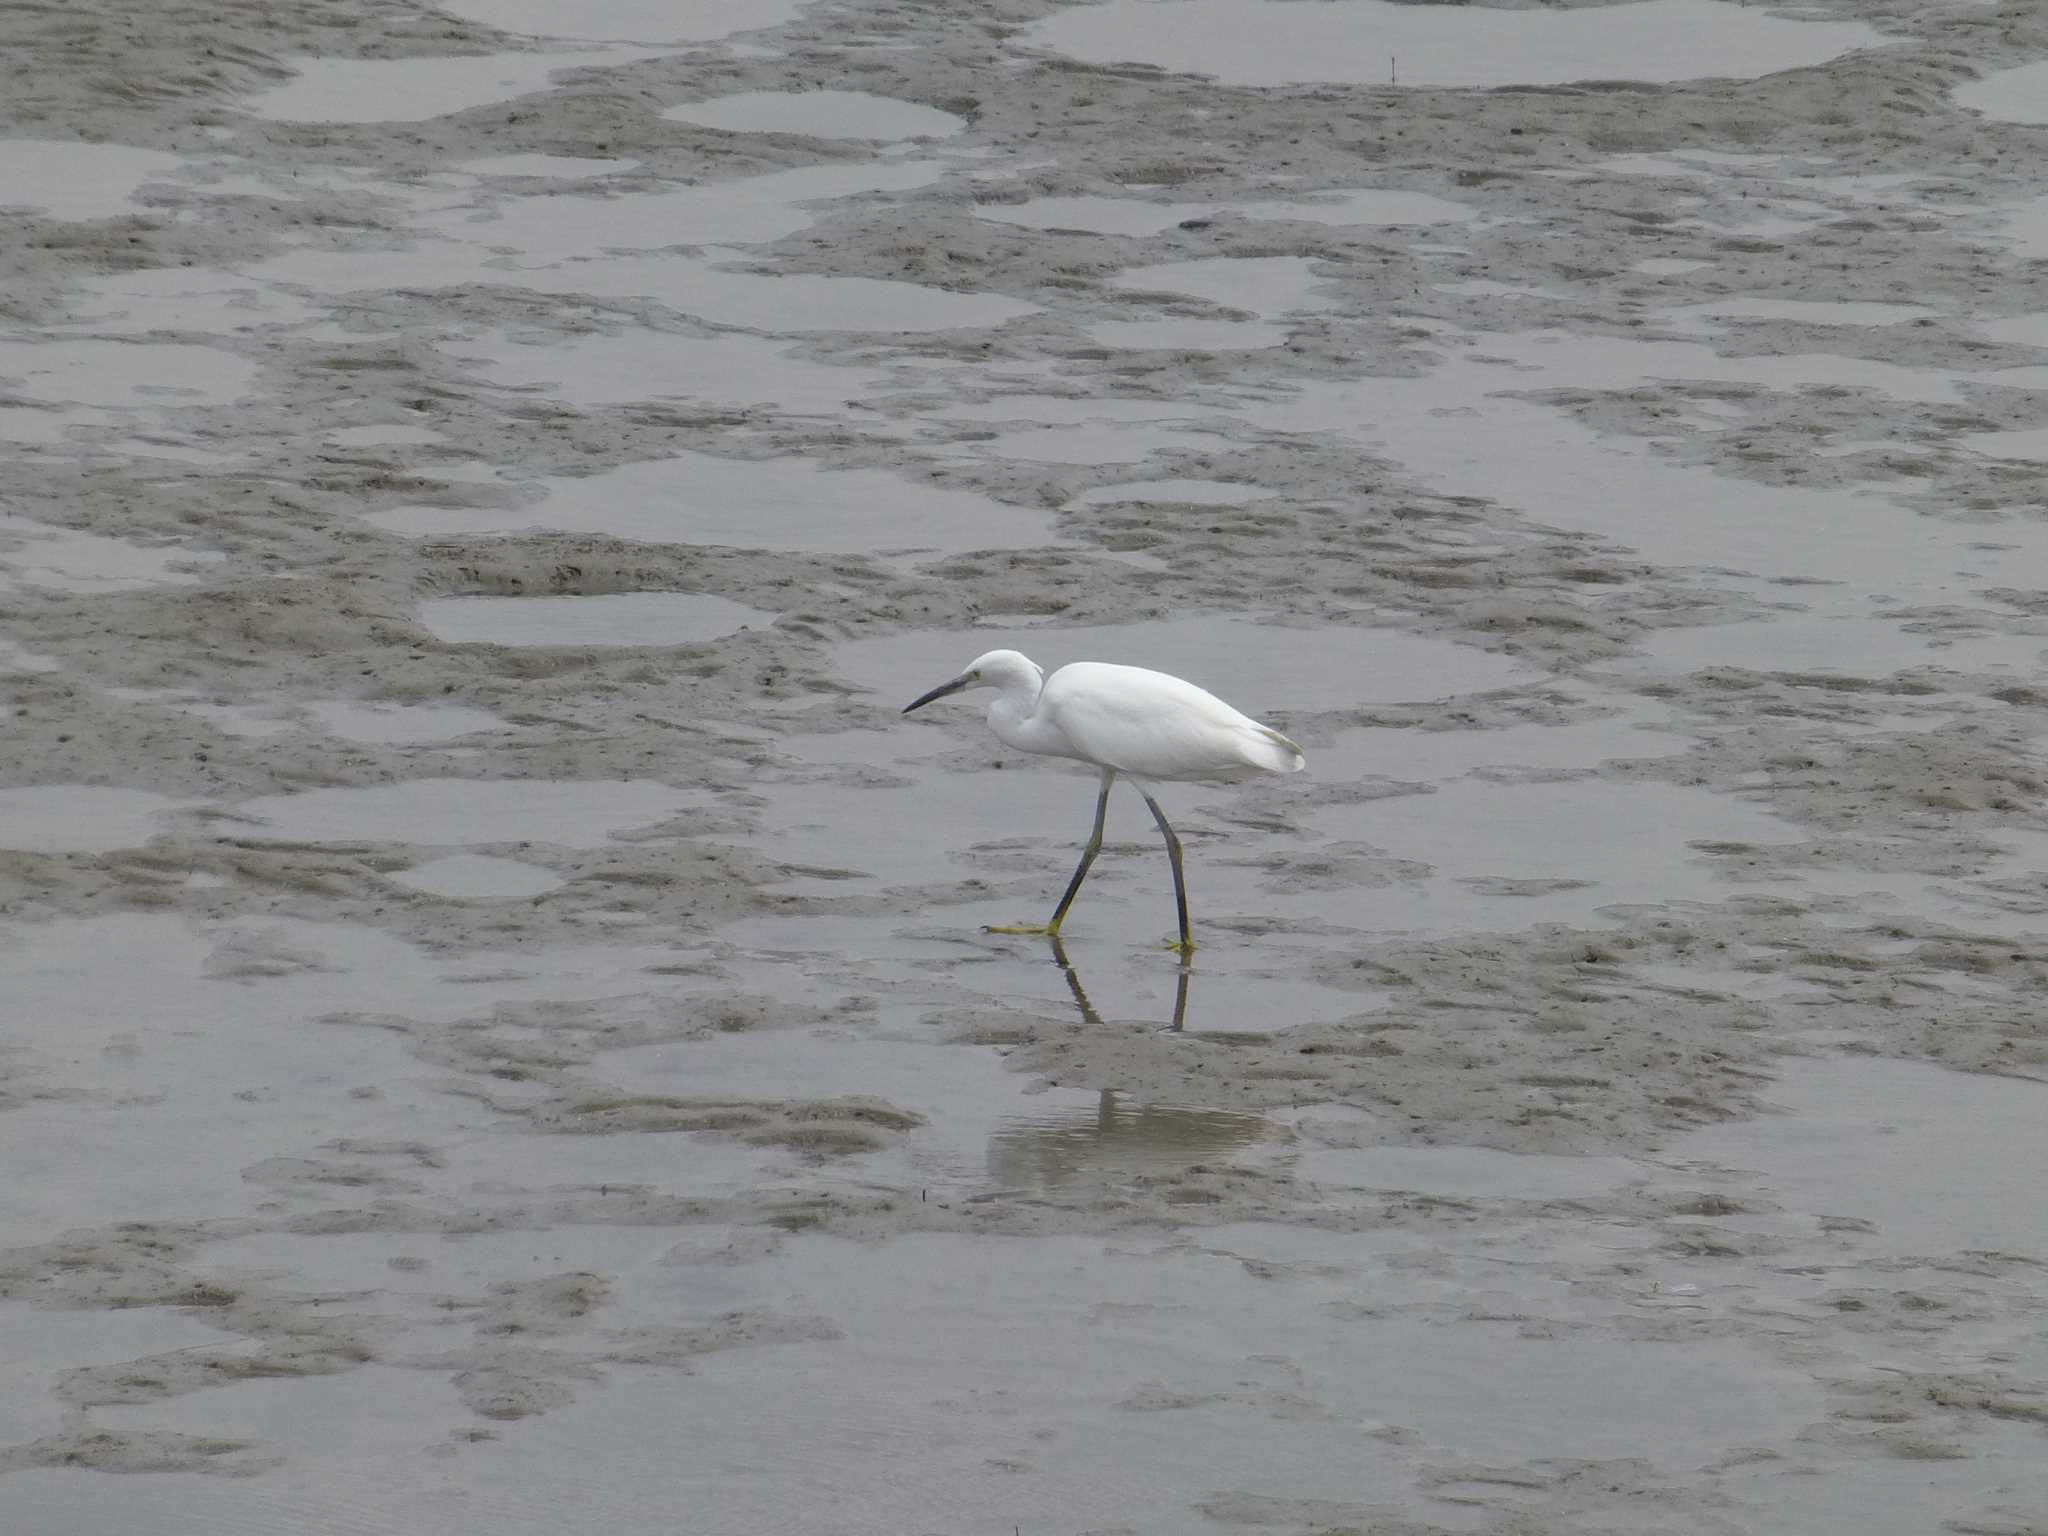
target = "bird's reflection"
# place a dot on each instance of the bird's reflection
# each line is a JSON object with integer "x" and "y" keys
{"x": 1116, "y": 1139}
{"x": 1088, "y": 1012}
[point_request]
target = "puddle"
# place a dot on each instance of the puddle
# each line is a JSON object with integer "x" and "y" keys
{"x": 1266, "y": 286}
{"x": 45, "y": 1345}
{"x": 748, "y": 210}
{"x": 1700, "y": 164}
{"x": 1422, "y": 756}
{"x": 229, "y": 719}
{"x": 2020, "y": 330}
{"x": 783, "y": 503}
{"x": 382, "y": 436}
{"x": 1095, "y": 215}
{"x": 1754, "y": 986}
{"x": 53, "y": 559}
{"x": 14, "y": 657}
{"x": 1114, "y": 1139}
{"x": 1256, "y": 667}
{"x": 1348, "y": 206}
{"x": 1972, "y": 903}
{"x": 400, "y": 724}
{"x": 1117, "y": 975}
{"x": 845, "y": 833}
{"x": 1859, "y": 647}
{"x": 1873, "y": 445}
{"x": 962, "y": 1093}
{"x": 2028, "y": 443}
{"x": 819, "y": 115}
{"x": 123, "y": 373}
{"x": 1186, "y": 335}
{"x": 652, "y": 365}
{"x": 1464, "y": 1173}
{"x": 796, "y": 304}
{"x": 1362, "y": 42}
{"x": 2011, "y": 95}
{"x": 1508, "y": 855}
{"x": 1383, "y": 207}
{"x": 627, "y": 21}
{"x": 204, "y": 1050}
{"x": 1999, "y": 1481}
{"x": 1195, "y": 493}
{"x": 1054, "y": 410}
{"x": 562, "y": 167}
{"x": 156, "y": 448}
{"x": 614, "y": 618}
{"x": 2024, "y": 228}
{"x": 1485, "y": 288}
{"x": 478, "y": 877}
{"x": 1940, "y": 1162}
{"x": 438, "y": 813}
{"x": 1210, "y": 1375}
{"x": 209, "y": 301}
{"x": 62, "y": 179}
{"x": 414, "y": 90}
{"x": 1094, "y": 444}
{"x": 432, "y": 1266}
{"x": 1701, "y": 317}
{"x": 1446, "y": 428}
{"x": 45, "y": 427}
{"x": 80, "y": 818}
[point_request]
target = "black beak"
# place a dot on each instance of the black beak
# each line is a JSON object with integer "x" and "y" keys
{"x": 938, "y": 693}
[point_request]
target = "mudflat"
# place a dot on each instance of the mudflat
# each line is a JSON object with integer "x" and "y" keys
{"x": 497, "y": 1032}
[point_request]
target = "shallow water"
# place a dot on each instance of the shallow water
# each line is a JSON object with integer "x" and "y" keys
{"x": 1199, "y": 493}
{"x": 79, "y": 818}
{"x": 479, "y": 877}
{"x": 667, "y": 21}
{"x": 1936, "y": 1162}
{"x": 612, "y": 618}
{"x": 124, "y": 374}
{"x": 2015, "y": 95}
{"x": 449, "y": 811}
{"x": 632, "y": 366}
{"x": 553, "y": 1065}
{"x": 1378, "y": 42}
{"x": 1237, "y": 660}
{"x": 37, "y": 555}
{"x": 413, "y": 90}
{"x": 1513, "y": 854}
{"x": 694, "y": 498}
{"x": 818, "y": 114}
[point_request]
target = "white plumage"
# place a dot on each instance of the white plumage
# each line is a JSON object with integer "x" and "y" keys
{"x": 1153, "y": 725}
{"x": 1149, "y": 726}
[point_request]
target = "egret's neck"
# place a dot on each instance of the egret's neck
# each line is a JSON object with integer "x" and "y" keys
{"x": 1014, "y": 718}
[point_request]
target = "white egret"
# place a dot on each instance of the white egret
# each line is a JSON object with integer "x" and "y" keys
{"x": 1148, "y": 726}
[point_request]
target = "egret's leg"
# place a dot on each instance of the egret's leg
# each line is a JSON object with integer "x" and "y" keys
{"x": 1180, "y": 887}
{"x": 1059, "y": 913}
{"x": 1094, "y": 847}
{"x": 1059, "y": 955}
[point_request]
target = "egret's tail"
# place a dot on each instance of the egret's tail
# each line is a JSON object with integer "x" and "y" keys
{"x": 1274, "y": 752}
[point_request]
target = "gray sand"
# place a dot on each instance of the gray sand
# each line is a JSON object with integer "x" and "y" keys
{"x": 499, "y": 1032}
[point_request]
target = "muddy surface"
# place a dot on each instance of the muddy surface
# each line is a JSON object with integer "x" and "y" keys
{"x": 500, "y": 1031}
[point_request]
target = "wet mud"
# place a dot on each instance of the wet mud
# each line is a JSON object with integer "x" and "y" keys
{"x": 500, "y": 1027}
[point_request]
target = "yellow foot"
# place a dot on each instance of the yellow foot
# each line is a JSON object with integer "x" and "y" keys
{"x": 1182, "y": 947}
{"x": 1037, "y": 928}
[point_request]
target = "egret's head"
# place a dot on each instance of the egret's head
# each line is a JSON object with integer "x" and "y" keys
{"x": 1005, "y": 670}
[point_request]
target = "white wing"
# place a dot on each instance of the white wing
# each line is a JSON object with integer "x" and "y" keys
{"x": 1152, "y": 725}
